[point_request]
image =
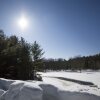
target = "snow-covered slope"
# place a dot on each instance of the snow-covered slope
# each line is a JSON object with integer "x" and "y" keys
{"x": 27, "y": 90}
{"x": 20, "y": 90}
{"x": 50, "y": 88}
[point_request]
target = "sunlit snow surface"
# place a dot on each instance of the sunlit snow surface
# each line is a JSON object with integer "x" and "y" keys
{"x": 52, "y": 88}
{"x": 90, "y": 76}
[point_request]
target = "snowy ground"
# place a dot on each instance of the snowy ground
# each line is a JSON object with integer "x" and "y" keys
{"x": 92, "y": 77}
{"x": 53, "y": 88}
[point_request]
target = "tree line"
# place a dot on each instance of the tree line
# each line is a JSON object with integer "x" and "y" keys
{"x": 75, "y": 63}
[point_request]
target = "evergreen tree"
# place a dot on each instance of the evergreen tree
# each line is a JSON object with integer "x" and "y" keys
{"x": 37, "y": 54}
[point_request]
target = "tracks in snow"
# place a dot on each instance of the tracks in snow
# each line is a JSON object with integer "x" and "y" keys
{"x": 75, "y": 81}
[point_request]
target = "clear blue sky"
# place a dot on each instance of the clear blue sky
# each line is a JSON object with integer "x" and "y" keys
{"x": 64, "y": 28}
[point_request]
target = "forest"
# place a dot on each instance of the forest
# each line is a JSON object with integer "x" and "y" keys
{"x": 20, "y": 59}
{"x": 75, "y": 63}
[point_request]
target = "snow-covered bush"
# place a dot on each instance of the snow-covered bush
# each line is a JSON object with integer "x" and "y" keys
{"x": 5, "y": 83}
{"x": 30, "y": 91}
{"x": 50, "y": 92}
{"x": 20, "y": 90}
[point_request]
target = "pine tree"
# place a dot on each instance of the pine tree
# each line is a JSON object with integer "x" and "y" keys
{"x": 37, "y": 54}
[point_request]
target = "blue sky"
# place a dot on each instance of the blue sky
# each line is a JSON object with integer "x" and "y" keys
{"x": 63, "y": 28}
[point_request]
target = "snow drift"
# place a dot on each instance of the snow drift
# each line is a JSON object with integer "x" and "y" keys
{"x": 22, "y": 90}
{"x": 50, "y": 92}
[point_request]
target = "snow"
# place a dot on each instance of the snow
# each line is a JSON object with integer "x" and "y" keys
{"x": 71, "y": 86}
{"x": 1, "y": 92}
{"x": 4, "y": 83}
{"x": 20, "y": 90}
{"x": 65, "y": 95}
{"x": 30, "y": 91}
{"x": 93, "y": 77}
{"x": 50, "y": 92}
{"x": 52, "y": 88}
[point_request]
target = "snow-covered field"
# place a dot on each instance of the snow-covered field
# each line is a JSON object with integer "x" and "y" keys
{"x": 89, "y": 76}
{"x": 75, "y": 87}
{"x": 92, "y": 77}
{"x": 53, "y": 87}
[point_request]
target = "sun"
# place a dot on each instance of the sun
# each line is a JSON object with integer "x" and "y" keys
{"x": 23, "y": 22}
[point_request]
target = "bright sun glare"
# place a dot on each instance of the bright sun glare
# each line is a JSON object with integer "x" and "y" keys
{"x": 23, "y": 22}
